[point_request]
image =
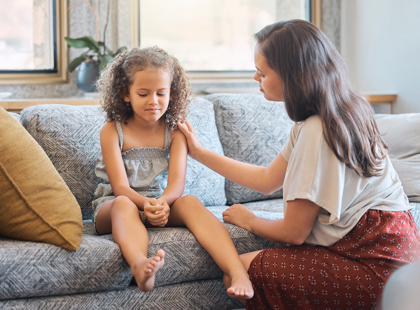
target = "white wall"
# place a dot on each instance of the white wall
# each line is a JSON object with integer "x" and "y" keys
{"x": 380, "y": 41}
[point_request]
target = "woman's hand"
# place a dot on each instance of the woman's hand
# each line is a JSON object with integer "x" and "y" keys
{"x": 194, "y": 144}
{"x": 240, "y": 216}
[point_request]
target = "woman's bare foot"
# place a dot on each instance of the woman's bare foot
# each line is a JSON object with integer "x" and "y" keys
{"x": 240, "y": 287}
{"x": 144, "y": 270}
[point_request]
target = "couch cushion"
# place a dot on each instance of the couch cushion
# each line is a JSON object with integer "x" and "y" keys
{"x": 204, "y": 295}
{"x": 252, "y": 130}
{"x": 30, "y": 269}
{"x": 70, "y": 137}
{"x": 199, "y": 178}
{"x": 35, "y": 203}
{"x": 401, "y": 133}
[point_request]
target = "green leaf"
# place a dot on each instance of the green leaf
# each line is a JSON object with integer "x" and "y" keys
{"x": 119, "y": 51}
{"x": 83, "y": 42}
{"x": 76, "y": 62}
{"x": 104, "y": 60}
{"x": 108, "y": 51}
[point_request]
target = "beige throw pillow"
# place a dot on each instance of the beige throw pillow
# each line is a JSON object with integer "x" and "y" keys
{"x": 35, "y": 203}
{"x": 401, "y": 133}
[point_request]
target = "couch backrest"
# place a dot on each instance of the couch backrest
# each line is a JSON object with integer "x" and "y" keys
{"x": 252, "y": 130}
{"x": 70, "y": 137}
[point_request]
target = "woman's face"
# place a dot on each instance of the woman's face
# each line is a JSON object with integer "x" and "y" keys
{"x": 271, "y": 85}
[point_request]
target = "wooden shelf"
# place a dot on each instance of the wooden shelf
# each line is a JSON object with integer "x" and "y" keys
{"x": 381, "y": 99}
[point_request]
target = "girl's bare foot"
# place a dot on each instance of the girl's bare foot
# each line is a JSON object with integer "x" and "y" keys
{"x": 144, "y": 270}
{"x": 240, "y": 287}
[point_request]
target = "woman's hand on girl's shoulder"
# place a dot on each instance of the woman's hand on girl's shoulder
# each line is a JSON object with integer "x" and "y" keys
{"x": 194, "y": 145}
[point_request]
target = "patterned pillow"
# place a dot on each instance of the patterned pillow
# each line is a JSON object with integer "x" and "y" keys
{"x": 70, "y": 137}
{"x": 199, "y": 178}
{"x": 252, "y": 130}
{"x": 16, "y": 116}
{"x": 35, "y": 203}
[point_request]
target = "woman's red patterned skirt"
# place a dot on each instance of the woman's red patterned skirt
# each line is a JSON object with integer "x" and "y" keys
{"x": 348, "y": 275}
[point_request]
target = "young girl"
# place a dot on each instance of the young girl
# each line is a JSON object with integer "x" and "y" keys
{"x": 345, "y": 212}
{"x": 145, "y": 92}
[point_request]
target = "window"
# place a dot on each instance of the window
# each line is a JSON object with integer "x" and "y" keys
{"x": 32, "y": 49}
{"x": 211, "y": 38}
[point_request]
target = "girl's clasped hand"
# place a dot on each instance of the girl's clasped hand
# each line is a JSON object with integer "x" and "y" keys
{"x": 156, "y": 211}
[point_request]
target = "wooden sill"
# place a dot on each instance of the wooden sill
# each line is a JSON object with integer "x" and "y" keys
{"x": 16, "y": 105}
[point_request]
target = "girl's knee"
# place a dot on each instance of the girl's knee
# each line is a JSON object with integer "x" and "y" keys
{"x": 187, "y": 201}
{"x": 123, "y": 204}
{"x": 188, "y": 205}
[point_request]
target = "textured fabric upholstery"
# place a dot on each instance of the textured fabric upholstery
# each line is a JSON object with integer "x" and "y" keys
{"x": 70, "y": 137}
{"x": 252, "y": 130}
{"x": 32, "y": 269}
{"x": 416, "y": 213}
{"x": 204, "y": 295}
{"x": 16, "y": 116}
{"x": 199, "y": 178}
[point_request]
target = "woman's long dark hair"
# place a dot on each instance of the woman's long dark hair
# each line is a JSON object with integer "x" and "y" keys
{"x": 316, "y": 81}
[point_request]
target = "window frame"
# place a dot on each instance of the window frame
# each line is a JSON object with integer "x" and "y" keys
{"x": 209, "y": 77}
{"x": 60, "y": 74}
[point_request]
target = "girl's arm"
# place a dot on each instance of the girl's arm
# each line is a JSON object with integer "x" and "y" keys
{"x": 262, "y": 179}
{"x": 294, "y": 228}
{"x": 177, "y": 168}
{"x": 114, "y": 166}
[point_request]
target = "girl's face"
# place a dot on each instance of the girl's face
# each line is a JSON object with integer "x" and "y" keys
{"x": 271, "y": 85}
{"x": 150, "y": 94}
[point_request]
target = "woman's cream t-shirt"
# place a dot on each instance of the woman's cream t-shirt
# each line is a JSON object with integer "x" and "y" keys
{"x": 315, "y": 173}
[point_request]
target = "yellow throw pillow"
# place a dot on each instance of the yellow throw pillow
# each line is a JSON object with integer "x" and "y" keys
{"x": 35, "y": 202}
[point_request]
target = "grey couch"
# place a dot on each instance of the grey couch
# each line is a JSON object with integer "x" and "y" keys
{"x": 245, "y": 127}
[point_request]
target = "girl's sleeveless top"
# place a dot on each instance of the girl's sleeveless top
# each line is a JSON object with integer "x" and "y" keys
{"x": 146, "y": 167}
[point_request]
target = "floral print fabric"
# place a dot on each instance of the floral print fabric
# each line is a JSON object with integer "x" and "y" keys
{"x": 348, "y": 275}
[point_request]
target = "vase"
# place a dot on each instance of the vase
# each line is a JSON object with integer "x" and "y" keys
{"x": 87, "y": 77}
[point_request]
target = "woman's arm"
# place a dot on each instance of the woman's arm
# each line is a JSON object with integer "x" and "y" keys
{"x": 294, "y": 228}
{"x": 114, "y": 166}
{"x": 262, "y": 179}
{"x": 177, "y": 168}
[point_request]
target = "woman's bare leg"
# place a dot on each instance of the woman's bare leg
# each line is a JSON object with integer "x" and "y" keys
{"x": 121, "y": 217}
{"x": 213, "y": 236}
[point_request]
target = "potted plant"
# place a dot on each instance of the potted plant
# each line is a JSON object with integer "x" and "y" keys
{"x": 94, "y": 60}
{"x": 91, "y": 62}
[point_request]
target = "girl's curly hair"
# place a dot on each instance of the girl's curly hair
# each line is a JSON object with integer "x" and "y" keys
{"x": 116, "y": 79}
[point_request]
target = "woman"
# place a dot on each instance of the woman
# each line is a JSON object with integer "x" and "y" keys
{"x": 345, "y": 211}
